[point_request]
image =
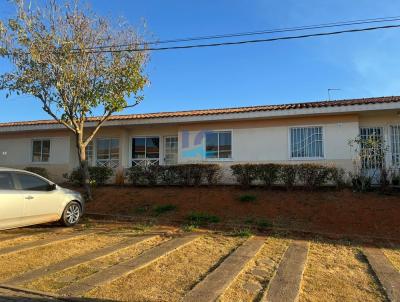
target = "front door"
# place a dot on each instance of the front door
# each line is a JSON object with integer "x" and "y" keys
{"x": 170, "y": 150}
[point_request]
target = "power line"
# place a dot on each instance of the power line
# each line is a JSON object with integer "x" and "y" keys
{"x": 245, "y": 41}
{"x": 262, "y": 32}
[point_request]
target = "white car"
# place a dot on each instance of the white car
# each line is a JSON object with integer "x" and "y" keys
{"x": 27, "y": 199}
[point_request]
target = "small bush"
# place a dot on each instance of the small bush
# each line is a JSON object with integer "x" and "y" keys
{"x": 396, "y": 179}
{"x": 188, "y": 227}
{"x": 136, "y": 175}
{"x": 287, "y": 175}
{"x": 161, "y": 209}
{"x": 185, "y": 174}
{"x": 244, "y": 233}
{"x": 312, "y": 176}
{"x": 245, "y": 174}
{"x": 38, "y": 170}
{"x": 100, "y": 175}
{"x": 264, "y": 224}
{"x": 97, "y": 175}
{"x": 212, "y": 174}
{"x": 199, "y": 218}
{"x": 247, "y": 198}
{"x": 361, "y": 183}
{"x": 337, "y": 177}
{"x": 268, "y": 174}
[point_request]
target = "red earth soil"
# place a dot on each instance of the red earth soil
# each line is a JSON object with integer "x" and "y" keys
{"x": 345, "y": 212}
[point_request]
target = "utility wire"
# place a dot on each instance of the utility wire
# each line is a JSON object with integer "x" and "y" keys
{"x": 262, "y": 32}
{"x": 245, "y": 41}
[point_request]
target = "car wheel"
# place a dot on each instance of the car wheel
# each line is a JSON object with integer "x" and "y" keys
{"x": 72, "y": 213}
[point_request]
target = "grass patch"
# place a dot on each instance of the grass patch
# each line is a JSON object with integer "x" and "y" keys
{"x": 162, "y": 209}
{"x": 264, "y": 224}
{"x": 142, "y": 209}
{"x": 188, "y": 227}
{"x": 247, "y": 198}
{"x": 243, "y": 233}
{"x": 199, "y": 218}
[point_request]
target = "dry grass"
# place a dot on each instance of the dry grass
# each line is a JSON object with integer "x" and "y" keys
{"x": 20, "y": 262}
{"x": 24, "y": 238}
{"x": 170, "y": 278}
{"x": 255, "y": 278}
{"x": 393, "y": 255}
{"x": 54, "y": 282}
{"x": 336, "y": 272}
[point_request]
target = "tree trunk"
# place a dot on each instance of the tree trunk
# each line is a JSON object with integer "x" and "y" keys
{"x": 83, "y": 164}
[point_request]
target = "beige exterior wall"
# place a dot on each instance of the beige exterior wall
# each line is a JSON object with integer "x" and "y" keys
{"x": 263, "y": 140}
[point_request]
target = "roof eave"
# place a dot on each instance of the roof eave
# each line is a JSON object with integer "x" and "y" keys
{"x": 220, "y": 116}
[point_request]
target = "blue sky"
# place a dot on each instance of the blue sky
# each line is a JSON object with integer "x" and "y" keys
{"x": 361, "y": 65}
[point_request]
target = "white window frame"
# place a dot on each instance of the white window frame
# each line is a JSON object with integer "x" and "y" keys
{"x": 41, "y": 139}
{"x": 205, "y": 145}
{"x": 306, "y": 158}
{"x": 92, "y": 153}
{"x": 393, "y": 143}
{"x": 109, "y": 153}
{"x": 145, "y": 159}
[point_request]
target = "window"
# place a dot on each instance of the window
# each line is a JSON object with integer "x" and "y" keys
{"x": 145, "y": 147}
{"x": 372, "y": 152}
{"x": 32, "y": 183}
{"x": 41, "y": 150}
{"x": 89, "y": 153}
{"x": 107, "y": 152}
{"x": 395, "y": 143}
{"x": 306, "y": 142}
{"x": 219, "y": 145}
{"x": 6, "y": 182}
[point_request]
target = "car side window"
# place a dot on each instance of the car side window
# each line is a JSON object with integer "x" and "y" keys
{"x": 32, "y": 183}
{"x": 6, "y": 182}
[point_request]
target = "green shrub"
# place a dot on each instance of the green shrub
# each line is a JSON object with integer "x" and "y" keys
{"x": 97, "y": 175}
{"x": 188, "y": 227}
{"x": 100, "y": 175}
{"x": 200, "y": 218}
{"x": 287, "y": 175}
{"x": 247, "y": 198}
{"x": 185, "y": 174}
{"x": 268, "y": 173}
{"x": 244, "y": 233}
{"x": 212, "y": 173}
{"x": 312, "y": 176}
{"x": 161, "y": 209}
{"x": 337, "y": 177}
{"x": 361, "y": 183}
{"x": 264, "y": 224}
{"x": 38, "y": 170}
{"x": 245, "y": 174}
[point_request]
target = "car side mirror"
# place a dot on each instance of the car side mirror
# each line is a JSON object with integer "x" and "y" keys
{"x": 51, "y": 187}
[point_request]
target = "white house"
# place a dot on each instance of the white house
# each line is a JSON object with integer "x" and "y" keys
{"x": 316, "y": 132}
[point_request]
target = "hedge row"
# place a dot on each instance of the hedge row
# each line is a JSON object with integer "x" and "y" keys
{"x": 188, "y": 174}
{"x": 97, "y": 176}
{"x": 311, "y": 176}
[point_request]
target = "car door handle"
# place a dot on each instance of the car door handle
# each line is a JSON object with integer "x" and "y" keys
{"x": 29, "y": 197}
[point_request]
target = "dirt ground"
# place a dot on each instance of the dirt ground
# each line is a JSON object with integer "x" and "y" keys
{"x": 336, "y": 270}
{"x": 339, "y": 212}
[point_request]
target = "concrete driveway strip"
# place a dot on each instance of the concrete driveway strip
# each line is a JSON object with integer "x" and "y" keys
{"x": 42, "y": 242}
{"x": 285, "y": 285}
{"x": 219, "y": 280}
{"x": 388, "y": 276}
{"x": 68, "y": 263}
{"x": 127, "y": 267}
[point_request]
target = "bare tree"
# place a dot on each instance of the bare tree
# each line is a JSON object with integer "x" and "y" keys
{"x": 72, "y": 61}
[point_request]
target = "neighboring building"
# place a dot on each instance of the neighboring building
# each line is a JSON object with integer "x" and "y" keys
{"x": 316, "y": 132}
